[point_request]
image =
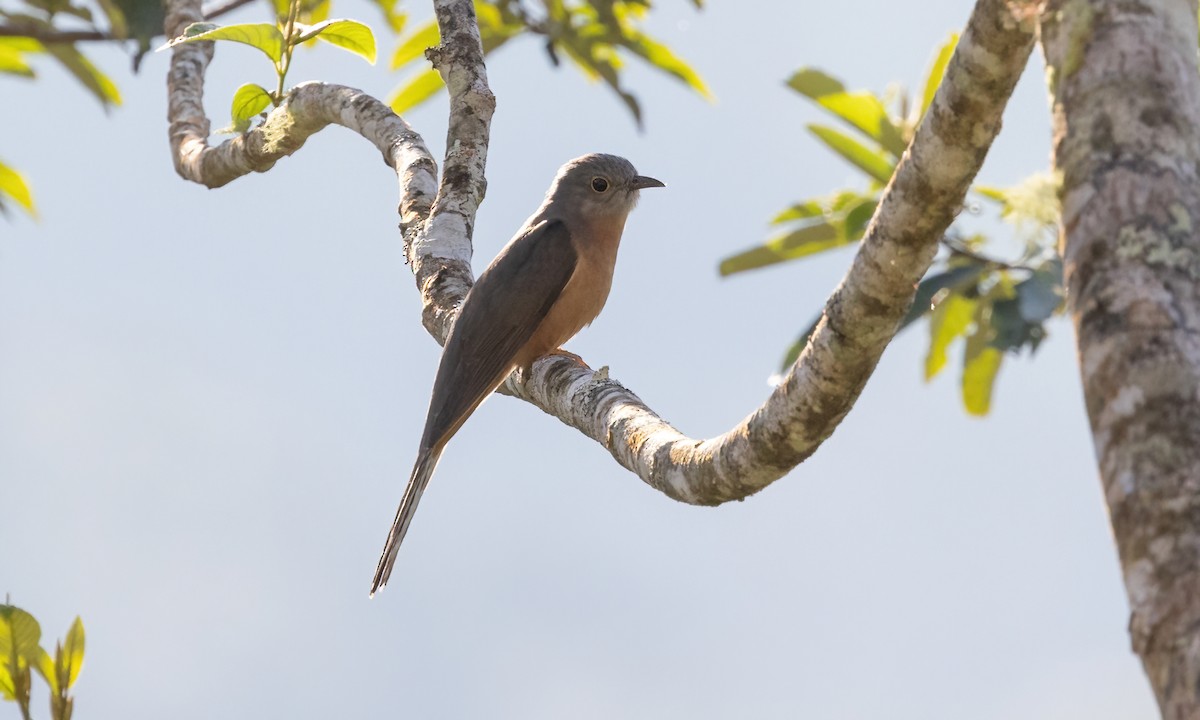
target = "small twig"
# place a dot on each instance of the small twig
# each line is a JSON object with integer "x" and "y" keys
{"x": 219, "y": 9}
{"x": 959, "y": 249}
{"x": 54, "y": 37}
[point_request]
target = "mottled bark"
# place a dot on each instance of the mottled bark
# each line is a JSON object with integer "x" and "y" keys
{"x": 1126, "y": 98}
{"x": 440, "y": 256}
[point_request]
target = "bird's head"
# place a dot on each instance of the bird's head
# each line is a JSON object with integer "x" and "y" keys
{"x": 599, "y": 185}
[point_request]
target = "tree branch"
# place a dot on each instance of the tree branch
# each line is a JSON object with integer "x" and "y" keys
{"x": 860, "y": 318}
{"x": 957, "y": 248}
{"x": 227, "y": 6}
{"x": 440, "y": 256}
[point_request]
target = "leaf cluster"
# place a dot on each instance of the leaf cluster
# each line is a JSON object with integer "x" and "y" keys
{"x": 56, "y": 28}
{"x": 596, "y": 36}
{"x": 21, "y": 652}
{"x": 278, "y": 41}
{"x": 990, "y": 305}
{"x": 37, "y": 29}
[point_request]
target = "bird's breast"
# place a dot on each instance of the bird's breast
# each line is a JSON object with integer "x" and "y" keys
{"x": 582, "y": 298}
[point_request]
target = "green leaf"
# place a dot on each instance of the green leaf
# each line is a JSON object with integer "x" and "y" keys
{"x": 799, "y": 211}
{"x": 950, "y": 319}
{"x": 309, "y": 12}
{"x": 117, "y": 27}
{"x": 861, "y": 110}
{"x": 71, "y": 658}
{"x": 865, "y": 112}
{"x": 807, "y": 240}
{"x": 1033, "y": 201}
{"x": 414, "y": 47}
{"x": 857, "y": 219}
{"x": 13, "y": 185}
{"x": 826, "y": 223}
{"x": 928, "y": 289}
{"x": 13, "y": 63}
{"x": 981, "y": 363}
{"x": 54, "y": 7}
{"x": 797, "y": 347}
{"x": 813, "y": 83}
{"x": 87, "y": 73}
{"x": 19, "y": 637}
{"x": 264, "y": 36}
{"x": 45, "y": 668}
{"x": 873, "y": 163}
{"x": 65, "y": 7}
{"x": 143, "y": 19}
{"x": 22, "y": 44}
{"x": 991, "y": 193}
{"x": 394, "y": 16}
{"x": 347, "y": 34}
{"x": 1010, "y": 331}
{"x": 937, "y": 70}
{"x": 8, "y": 689}
{"x": 1039, "y": 296}
{"x": 661, "y": 57}
{"x": 494, "y": 28}
{"x": 598, "y": 59}
{"x": 249, "y": 100}
{"x": 319, "y": 12}
{"x": 416, "y": 91}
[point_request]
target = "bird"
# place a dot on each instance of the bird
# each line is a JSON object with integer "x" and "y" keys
{"x": 549, "y": 282}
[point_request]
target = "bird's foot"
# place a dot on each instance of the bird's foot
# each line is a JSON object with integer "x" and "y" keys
{"x": 569, "y": 356}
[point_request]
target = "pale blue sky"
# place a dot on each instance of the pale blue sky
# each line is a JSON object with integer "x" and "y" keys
{"x": 210, "y": 400}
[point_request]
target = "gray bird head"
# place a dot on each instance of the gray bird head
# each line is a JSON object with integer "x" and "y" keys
{"x": 598, "y": 185}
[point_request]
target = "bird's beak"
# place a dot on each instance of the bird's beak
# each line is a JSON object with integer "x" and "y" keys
{"x": 641, "y": 182}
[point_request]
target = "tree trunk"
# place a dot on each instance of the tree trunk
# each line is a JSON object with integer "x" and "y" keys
{"x": 1126, "y": 93}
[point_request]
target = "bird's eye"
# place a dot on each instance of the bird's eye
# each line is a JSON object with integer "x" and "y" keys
{"x": 599, "y": 184}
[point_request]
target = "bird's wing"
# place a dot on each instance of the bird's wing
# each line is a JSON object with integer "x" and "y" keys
{"x": 498, "y": 316}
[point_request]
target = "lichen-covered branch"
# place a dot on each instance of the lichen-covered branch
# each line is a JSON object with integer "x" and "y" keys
{"x": 1126, "y": 96}
{"x": 441, "y": 255}
{"x": 860, "y": 318}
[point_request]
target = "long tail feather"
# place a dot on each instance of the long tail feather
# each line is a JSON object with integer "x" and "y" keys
{"x": 422, "y": 471}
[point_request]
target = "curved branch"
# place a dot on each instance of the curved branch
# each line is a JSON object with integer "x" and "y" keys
{"x": 860, "y": 317}
{"x": 307, "y": 109}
